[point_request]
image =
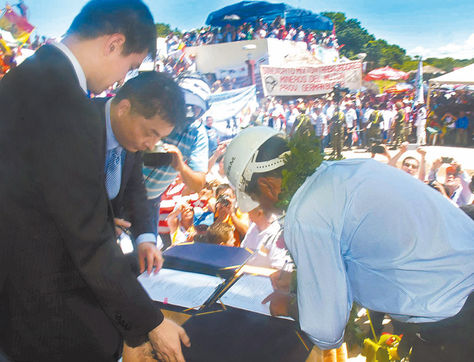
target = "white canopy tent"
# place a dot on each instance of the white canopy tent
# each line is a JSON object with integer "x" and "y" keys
{"x": 459, "y": 76}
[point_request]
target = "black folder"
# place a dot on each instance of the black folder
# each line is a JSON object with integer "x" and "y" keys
{"x": 203, "y": 258}
{"x": 240, "y": 336}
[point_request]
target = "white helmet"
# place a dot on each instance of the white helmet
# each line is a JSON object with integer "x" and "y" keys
{"x": 196, "y": 94}
{"x": 240, "y": 161}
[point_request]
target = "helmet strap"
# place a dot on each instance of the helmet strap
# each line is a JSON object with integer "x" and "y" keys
{"x": 262, "y": 167}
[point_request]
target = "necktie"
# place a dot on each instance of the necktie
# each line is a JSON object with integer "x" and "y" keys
{"x": 113, "y": 172}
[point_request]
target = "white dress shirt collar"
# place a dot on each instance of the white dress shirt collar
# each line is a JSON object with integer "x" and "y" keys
{"x": 111, "y": 140}
{"x": 75, "y": 63}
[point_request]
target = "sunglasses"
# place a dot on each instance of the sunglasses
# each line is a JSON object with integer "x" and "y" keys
{"x": 411, "y": 165}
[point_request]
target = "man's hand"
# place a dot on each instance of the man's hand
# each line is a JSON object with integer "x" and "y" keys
{"x": 224, "y": 211}
{"x": 437, "y": 164}
{"x": 177, "y": 162}
{"x": 281, "y": 280}
{"x": 404, "y": 147}
{"x": 172, "y": 219}
{"x": 279, "y": 303}
{"x": 121, "y": 224}
{"x": 220, "y": 150}
{"x": 421, "y": 151}
{"x": 150, "y": 255}
{"x": 436, "y": 185}
{"x": 166, "y": 341}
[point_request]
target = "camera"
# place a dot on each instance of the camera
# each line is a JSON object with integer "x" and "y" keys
{"x": 433, "y": 184}
{"x": 446, "y": 159}
{"x": 377, "y": 149}
{"x": 157, "y": 157}
{"x": 223, "y": 200}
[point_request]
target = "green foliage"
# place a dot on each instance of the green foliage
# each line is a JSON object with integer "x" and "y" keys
{"x": 163, "y": 29}
{"x": 305, "y": 156}
{"x": 448, "y": 64}
{"x": 357, "y": 39}
{"x": 353, "y": 335}
{"x": 350, "y": 33}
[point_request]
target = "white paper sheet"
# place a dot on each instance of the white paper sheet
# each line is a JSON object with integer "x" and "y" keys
{"x": 248, "y": 293}
{"x": 184, "y": 289}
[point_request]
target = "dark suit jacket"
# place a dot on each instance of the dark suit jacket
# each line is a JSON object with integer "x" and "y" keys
{"x": 66, "y": 290}
{"x": 131, "y": 202}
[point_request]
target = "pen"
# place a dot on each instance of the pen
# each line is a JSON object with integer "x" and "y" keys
{"x": 124, "y": 229}
{"x": 282, "y": 269}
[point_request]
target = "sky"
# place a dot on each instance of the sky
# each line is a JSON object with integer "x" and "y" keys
{"x": 438, "y": 28}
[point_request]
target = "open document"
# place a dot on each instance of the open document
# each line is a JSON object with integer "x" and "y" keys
{"x": 175, "y": 287}
{"x": 248, "y": 292}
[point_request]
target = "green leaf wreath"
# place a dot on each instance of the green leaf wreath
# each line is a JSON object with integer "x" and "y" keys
{"x": 305, "y": 156}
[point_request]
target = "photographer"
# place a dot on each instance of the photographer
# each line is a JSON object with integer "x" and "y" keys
{"x": 180, "y": 222}
{"x": 457, "y": 182}
{"x": 228, "y": 212}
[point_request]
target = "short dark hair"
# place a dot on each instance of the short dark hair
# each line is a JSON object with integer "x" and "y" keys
{"x": 270, "y": 149}
{"x": 408, "y": 158}
{"x": 132, "y": 18}
{"x": 152, "y": 93}
{"x": 223, "y": 188}
{"x": 218, "y": 233}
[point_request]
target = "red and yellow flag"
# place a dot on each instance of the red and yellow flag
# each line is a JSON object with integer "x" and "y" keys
{"x": 16, "y": 24}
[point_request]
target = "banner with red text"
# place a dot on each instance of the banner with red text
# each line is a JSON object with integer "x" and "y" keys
{"x": 310, "y": 80}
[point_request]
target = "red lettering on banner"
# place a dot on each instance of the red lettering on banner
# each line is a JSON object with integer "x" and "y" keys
{"x": 289, "y": 87}
{"x": 293, "y": 79}
{"x": 313, "y": 79}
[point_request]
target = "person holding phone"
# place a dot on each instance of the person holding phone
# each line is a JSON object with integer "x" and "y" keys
{"x": 457, "y": 182}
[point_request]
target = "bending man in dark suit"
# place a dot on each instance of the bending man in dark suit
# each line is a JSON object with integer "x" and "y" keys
{"x": 67, "y": 292}
{"x": 145, "y": 109}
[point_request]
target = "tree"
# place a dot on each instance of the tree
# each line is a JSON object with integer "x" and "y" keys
{"x": 162, "y": 30}
{"x": 350, "y": 33}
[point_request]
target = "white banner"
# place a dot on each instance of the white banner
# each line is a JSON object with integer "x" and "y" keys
{"x": 226, "y": 105}
{"x": 310, "y": 80}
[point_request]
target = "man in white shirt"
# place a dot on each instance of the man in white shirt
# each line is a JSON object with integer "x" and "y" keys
{"x": 420, "y": 123}
{"x": 351, "y": 122}
{"x": 349, "y": 241}
{"x": 262, "y": 237}
{"x": 386, "y": 124}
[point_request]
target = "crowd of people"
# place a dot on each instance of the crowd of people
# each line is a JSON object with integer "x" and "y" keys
{"x": 146, "y": 163}
{"x": 362, "y": 119}
{"x": 278, "y": 29}
{"x": 186, "y": 215}
{"x": 176, "y": 61}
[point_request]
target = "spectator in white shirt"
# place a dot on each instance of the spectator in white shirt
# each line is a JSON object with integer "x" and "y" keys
{"x": 420, "y": 123}
{"x": 262, "y": 237}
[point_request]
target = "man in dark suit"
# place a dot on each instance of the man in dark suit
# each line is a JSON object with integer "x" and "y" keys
{"x": 145, "y": 109}
{"x": 67, "y": 292}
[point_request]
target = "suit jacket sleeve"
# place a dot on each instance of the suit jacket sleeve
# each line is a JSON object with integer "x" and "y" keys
{"x": 135, "y": 200}
{"x": 69, "y": 175}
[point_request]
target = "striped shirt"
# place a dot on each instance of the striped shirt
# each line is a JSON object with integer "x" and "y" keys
{"x": 193, "y": 144}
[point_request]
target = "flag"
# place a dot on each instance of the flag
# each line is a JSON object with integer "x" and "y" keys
{"x": 16, "y": 24}
{"x": 22, "y": 8}
{"x": 4, "y": 48}
{"x": 419, "y": 97}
